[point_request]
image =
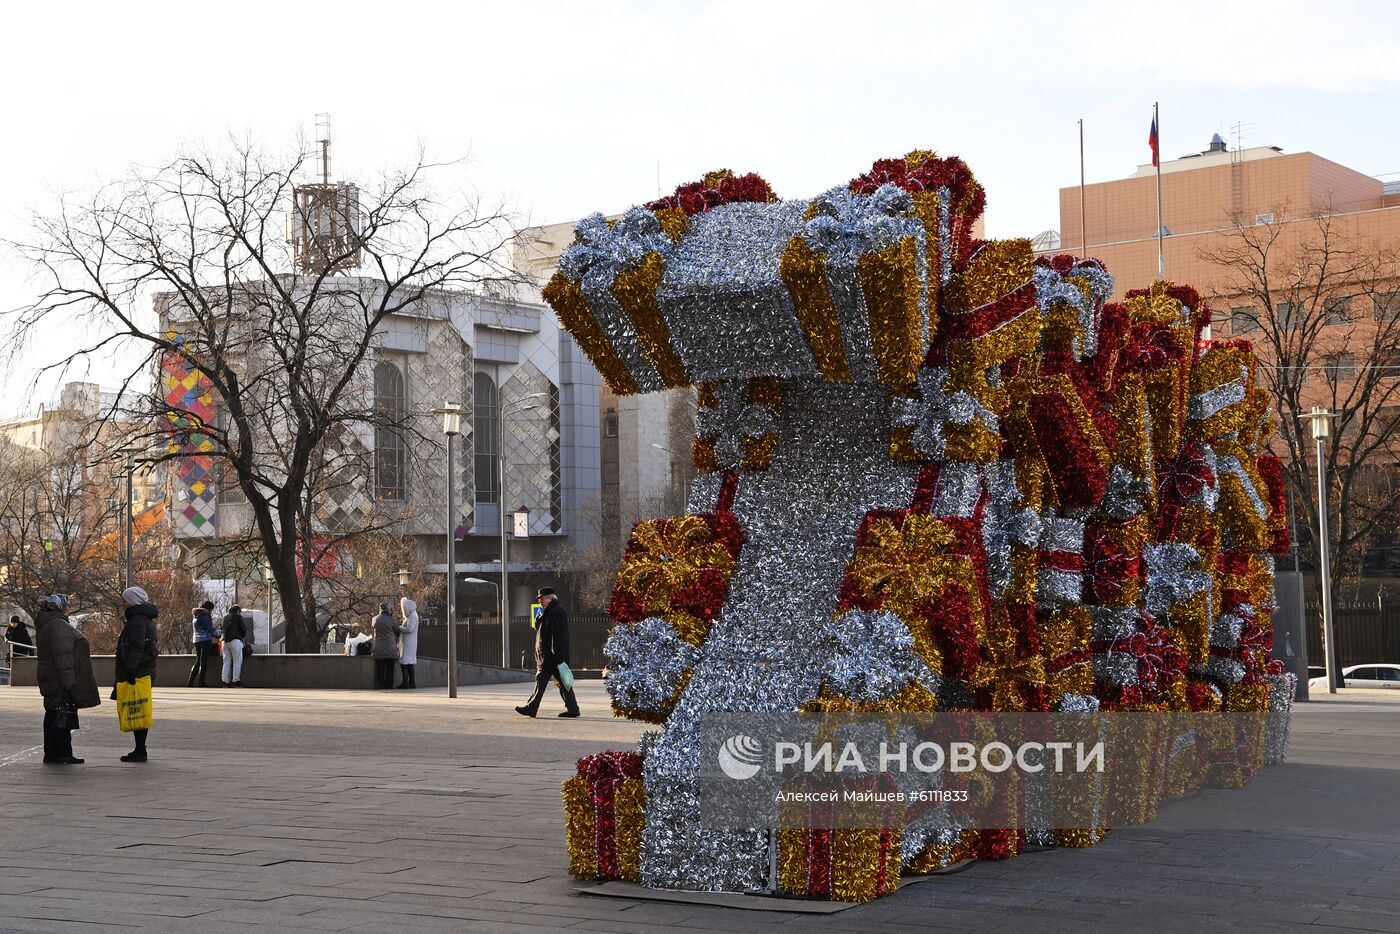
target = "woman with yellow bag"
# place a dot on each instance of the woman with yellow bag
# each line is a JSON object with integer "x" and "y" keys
{"x": 137, "y": 649}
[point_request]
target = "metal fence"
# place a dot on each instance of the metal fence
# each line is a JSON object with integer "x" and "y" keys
{"x": 1365, "y": 632}
{"x": 479, "y": 641}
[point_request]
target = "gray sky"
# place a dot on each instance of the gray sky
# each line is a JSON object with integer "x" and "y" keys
{"x": 567, "y": 108}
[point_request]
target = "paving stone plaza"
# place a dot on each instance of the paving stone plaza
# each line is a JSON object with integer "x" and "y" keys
{"x": 355, "y": 811}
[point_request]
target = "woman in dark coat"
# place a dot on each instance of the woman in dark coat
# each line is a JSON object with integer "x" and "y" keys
{"x": 65, "y": 678}
{"x": 137, "y": 648}
{"x": 386, "y": 647}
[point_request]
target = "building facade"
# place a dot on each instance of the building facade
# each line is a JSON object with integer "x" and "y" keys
{"x": 644, "y": 440}
{"x": 1203, "y": 195}
{"x": 486, "y": 354}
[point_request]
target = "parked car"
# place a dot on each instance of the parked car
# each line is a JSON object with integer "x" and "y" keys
{"x": 1359, "y": 676}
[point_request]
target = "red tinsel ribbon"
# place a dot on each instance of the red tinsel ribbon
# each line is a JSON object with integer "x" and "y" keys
{"x": 605, "y": 829}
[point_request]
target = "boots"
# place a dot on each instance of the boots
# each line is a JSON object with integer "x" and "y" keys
{"x": 570, "y": 704}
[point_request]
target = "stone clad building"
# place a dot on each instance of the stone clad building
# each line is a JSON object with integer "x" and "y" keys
{"x": 480, "y": 351}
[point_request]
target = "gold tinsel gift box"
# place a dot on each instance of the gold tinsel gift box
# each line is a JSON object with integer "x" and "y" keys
{"x": 603, "y": 804}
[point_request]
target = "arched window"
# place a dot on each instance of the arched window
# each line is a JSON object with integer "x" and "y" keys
{"x": 390, "y": 454}
{"x": 485, "y": 439}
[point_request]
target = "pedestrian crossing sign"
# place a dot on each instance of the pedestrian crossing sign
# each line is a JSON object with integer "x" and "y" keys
{"x": 536, "y": 611}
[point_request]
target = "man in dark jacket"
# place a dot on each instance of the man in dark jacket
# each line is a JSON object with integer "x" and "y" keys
{"x": 18, "y": 638}
{"x": 205, "y": 643}
{"x": 65, "y": 678}
{"x": 551, "y": 651}
{"x": 137, "y": 649}
{"x": 235, "y": 635}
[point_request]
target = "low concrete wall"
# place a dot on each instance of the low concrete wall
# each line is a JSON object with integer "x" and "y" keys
{"x": 432, "y": 673}
{"x": 319, "y": 672}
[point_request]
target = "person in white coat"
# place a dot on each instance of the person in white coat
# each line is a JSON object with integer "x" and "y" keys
{"x": 408, "y": 654}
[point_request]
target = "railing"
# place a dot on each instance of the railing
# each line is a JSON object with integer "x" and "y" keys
{"x": 479, "y": 641}
{"x": 1365, "y": 632}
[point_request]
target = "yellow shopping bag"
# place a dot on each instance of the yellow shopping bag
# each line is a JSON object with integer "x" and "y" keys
{"x": 134, "y": 705}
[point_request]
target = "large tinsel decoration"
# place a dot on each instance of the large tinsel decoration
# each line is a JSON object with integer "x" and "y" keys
{"x": 934, "y": 473}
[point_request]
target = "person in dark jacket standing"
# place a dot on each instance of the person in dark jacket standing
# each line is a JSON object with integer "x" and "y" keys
{"x": 18, "y": 638}
{"x": 235, "y": 634}
{"x": 137, "y": 648}
{"x": 205, "y": 643}
{"x": 551, "y": 650}
{"x": 386, "y": 648}
{"x": 65, "y": 678}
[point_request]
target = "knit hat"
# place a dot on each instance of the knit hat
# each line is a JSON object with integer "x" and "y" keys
{"x": 135, "y": 596}
{"x": 56, "y": 601}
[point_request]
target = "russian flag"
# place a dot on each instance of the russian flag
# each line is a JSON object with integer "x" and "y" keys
{"x": 1152, "y": 141}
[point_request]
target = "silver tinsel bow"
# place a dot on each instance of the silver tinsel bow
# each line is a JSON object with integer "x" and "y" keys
{"x": 848, "y": 225}
{"x": 936, "y": 408}
{"x": 732, "y": 422}
{"x": 869, "y": 657}
{"x": 602, "y": 251}
{"x": 647, "y": 662}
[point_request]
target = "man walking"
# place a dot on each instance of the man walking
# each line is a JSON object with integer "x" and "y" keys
{"x": 205, "y": 643}
{"x": 235, "y": 631}
{"x": 551, "y": 651}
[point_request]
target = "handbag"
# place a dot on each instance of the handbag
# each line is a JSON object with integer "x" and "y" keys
{"x": 566, "y": 677}
{"x": 66, "y": 718}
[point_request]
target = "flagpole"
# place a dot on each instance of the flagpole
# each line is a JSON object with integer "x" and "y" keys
{"x": 1083, "y": 230}
{"x": 1161, "y": 260}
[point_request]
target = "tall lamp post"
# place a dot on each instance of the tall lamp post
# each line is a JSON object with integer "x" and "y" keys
{"x": 129, "y": 465}
{"x": 513, "y": 408}
{"x": 451, "y": 414}
{"x": 1321, "y": 422}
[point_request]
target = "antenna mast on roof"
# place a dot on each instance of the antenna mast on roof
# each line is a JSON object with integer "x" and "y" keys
{"x": 324, "y": 224}
{"x": 323, "y": 136}
{"x": 1239, "y": 131}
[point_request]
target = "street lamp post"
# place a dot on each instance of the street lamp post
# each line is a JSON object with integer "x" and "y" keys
{"x": 451, "y": 414}
{"x": 516, "y": 407}
{"x": 129, "y": 463}
{"x": 1320, "y": 420}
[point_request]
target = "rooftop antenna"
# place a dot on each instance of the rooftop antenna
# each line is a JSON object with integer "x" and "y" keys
{"x": 1239, "y": 131}
{"x": 324, "y": 224}
{"x": 323, "y": 136}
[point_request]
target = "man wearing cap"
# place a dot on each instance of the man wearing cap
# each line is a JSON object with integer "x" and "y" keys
{"x": 137, "y": 648}
{"x": 551, "y": 650}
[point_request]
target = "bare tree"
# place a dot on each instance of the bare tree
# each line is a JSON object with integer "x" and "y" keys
{"x": 58, "y": 529}
{"x": 1322, "y": 305}
{"x": 191, "y": 263}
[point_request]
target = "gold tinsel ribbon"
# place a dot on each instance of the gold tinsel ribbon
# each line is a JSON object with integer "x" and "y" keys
{"x": 574, "y": 314}
{"x": 804, "y": 272}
